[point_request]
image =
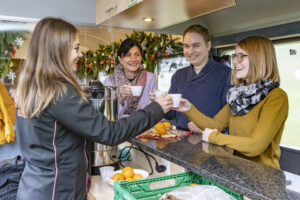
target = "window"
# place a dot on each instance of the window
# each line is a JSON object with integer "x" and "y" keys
{"x": 288, "y": 58}
{"x": 166, "y": 69}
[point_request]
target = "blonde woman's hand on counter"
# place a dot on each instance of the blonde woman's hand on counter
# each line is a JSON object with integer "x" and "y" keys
{"x": 206, "y": 133}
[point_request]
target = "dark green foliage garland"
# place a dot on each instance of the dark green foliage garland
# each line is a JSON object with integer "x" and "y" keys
{"x": 155, "y": 48}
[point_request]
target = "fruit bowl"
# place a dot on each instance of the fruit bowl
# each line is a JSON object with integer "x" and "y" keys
{"x": 144, "y": 173}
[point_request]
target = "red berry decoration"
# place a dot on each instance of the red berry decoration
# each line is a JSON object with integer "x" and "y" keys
{"x": 153, "y": 57}
{"x": 101, "y": 62}
{"x": 167, "y": 55}
{"x": 112, "y": 62}
{"x": 88, "y": 66}
{"x": 12, "y": 50}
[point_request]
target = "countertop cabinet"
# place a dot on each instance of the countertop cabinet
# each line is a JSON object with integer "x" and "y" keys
{"x": 218, "y": 164}
{"x": 106, "y": 9}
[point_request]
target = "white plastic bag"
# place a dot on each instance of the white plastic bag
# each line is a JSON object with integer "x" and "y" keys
{"x": 196, "y": 192}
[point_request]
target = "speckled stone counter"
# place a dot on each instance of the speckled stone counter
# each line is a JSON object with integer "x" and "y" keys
{"x": 217, "y": 163}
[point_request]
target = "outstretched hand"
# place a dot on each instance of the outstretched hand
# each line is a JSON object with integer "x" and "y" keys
{"x": 165, "y": 101}
{"x": 184, "y": 106}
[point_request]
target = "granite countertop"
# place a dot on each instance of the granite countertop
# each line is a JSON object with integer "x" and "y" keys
{"x": 216, "y": 163}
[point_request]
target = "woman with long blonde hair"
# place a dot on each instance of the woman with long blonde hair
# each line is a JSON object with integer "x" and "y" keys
{"x": 54, "y": 118}
{"x": 256, "y": 108}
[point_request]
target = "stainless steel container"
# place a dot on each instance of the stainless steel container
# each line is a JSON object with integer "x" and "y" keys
{"x": 102, "y": 155}
{"x": 108, "y": 105}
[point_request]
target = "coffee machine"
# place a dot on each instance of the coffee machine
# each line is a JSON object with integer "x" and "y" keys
{"x": 104, "y": 99}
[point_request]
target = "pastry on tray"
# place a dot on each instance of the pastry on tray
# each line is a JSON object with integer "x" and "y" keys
{"x": 163, "y": 130}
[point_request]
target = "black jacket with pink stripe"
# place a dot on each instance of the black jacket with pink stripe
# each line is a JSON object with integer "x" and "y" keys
{"x": 54, "y": 145}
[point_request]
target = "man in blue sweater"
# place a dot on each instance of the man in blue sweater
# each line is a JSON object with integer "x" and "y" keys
{"x": 204, "y": 83}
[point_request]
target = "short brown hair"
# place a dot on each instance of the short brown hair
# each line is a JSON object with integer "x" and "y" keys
{"x": 198, "y": 29}
{"x": 262, "y": 60}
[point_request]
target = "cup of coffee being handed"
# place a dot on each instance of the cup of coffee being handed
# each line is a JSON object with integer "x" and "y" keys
{"x": 176, "y": 99}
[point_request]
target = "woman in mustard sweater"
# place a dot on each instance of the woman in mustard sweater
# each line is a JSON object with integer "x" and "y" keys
{"x": 256, "y": 108}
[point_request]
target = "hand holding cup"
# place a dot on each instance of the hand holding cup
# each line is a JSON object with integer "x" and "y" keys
{"x": 165, "y": 101}
{"x": 158, "y": 93}
{"x": 136, "y": 90}
{"x": 184, "y": 106}
{"x": 176, "y": 99}
{"x": 124, "y": 91}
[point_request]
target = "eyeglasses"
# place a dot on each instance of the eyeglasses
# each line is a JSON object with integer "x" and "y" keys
{"x": 238, "y": 56}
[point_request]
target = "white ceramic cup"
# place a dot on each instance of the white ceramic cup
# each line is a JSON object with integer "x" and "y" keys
{"x": 136, "y": 90}
{"x": 176, "y": 100}
{"x": 158, "y": 93}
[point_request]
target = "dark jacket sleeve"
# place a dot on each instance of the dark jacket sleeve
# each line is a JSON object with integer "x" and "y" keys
{"x": 79, "y": 117}
{"x": 170, "y": 115}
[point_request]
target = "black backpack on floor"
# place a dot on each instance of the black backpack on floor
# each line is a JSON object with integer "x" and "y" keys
{"x": 10, "y": 173}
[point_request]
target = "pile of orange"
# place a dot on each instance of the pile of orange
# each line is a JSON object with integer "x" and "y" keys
{"x": 167, "y": 124}
{"x": 162, "y": 127}
{"x": 126, "y": 174}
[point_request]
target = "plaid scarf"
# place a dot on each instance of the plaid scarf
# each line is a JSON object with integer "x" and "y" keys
{"x": 242, "y": 98}
{"x": 118, "y": 78}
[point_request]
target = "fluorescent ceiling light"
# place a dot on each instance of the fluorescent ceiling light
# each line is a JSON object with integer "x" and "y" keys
{"x": 148, "y": 19}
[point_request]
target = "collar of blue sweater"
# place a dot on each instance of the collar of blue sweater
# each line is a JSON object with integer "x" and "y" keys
{"x": 210, "y": 65}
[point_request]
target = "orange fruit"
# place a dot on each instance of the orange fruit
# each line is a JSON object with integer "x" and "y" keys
{"x": 127, "y": 172}
{"x": 167, "y": 124}
{"x": 161, "y": 143}
{"x": 160, "y": 128}
{"x": 129, "y": 179}
{"x": 191, "y": 185}
{"x": 117, "y": 177}
{"x": 137, "y": 177}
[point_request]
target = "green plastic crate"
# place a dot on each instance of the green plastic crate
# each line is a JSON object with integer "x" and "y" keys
{"x": 140, "y": 190}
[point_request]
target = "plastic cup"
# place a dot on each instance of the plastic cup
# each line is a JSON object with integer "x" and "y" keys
{"x": 176, "y": 100}
{"x": 136, "y": 90}
{"x": 158, "y": 93}
{"x": 106, "y": 171}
